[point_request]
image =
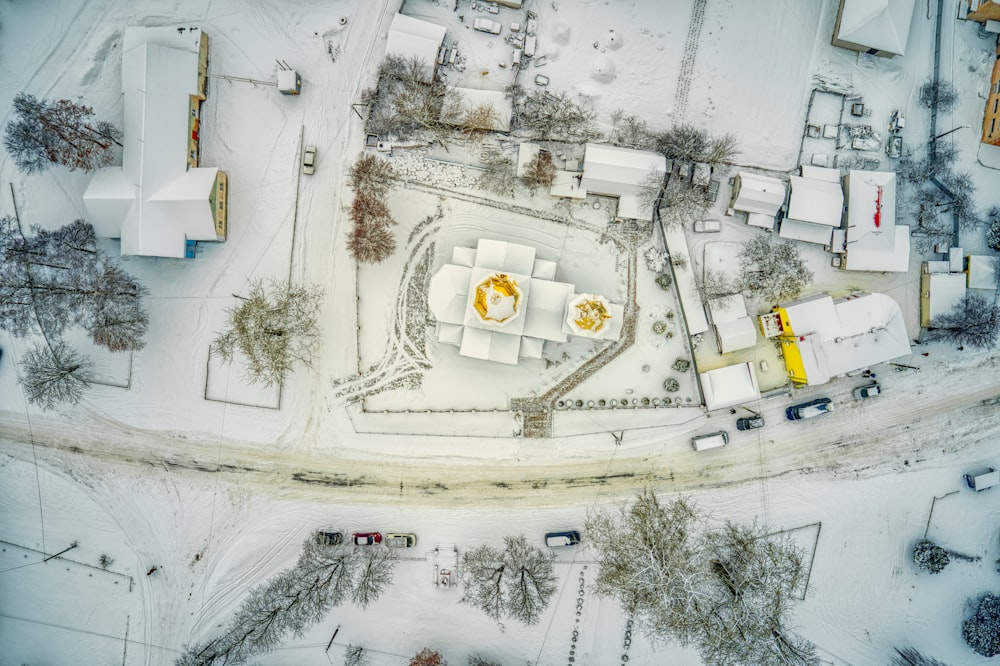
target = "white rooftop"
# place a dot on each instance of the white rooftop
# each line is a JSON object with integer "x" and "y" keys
{"x": 733, "y": 327}
{"x": 729, "y": 386}
{"x": 154, "y": 202}
{"x": 621, "y": 172}
{"x": 874, "y": 241}
{"x": 761, "y": 195}
{"x": 415, "y": 38}
{"x": 878, "y": 24}
{"x": 946, "y": 290}
{"x": 816, "y": 201}
{"x": 984, "y": 271}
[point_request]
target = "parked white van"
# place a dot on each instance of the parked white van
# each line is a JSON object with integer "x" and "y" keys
{"x": 712, "y": 441}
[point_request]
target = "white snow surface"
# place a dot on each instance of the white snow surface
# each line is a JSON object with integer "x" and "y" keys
{"x": 219, "y": 493}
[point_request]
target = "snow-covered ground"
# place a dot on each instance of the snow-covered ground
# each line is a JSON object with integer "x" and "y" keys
{"x": 219, "y": 495}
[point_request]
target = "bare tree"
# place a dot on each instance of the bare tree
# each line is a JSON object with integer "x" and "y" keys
{"x": 499, "y": 174}
{"x": 477, "y": 121}
{"x": 371, "y": 244}
{"x": 273, "y": 328}
{"x": 938, "y": 93}
{"x": 55, "y": 374}
{"x": 651, "y": 190}
{"x": 324, "y": 577}
{"x": 631, "y": 131}
{"x": 975, "y": 321}
{"x": 515, "y": 582}
{"x": 60, "y": 279}
{"x": 754, "y": 577}
{"x": 355, "y": 655}
{"x": 476, "y": 660}
{"x": 723, "y": 148}
{"x": 428, "y": 657}
{"x": 981, "y": 631}
{"x": 684, "y": 142}
{"x": 539, "y": 172}
{"x": 405, "y": 105}
{"x": 370, "y": 240}
{"x": 372, "y": 175}
{"x": 717, "y": 286}
{"x": 682, "y": 203}
{"x": 773, "y": 270}
{"x": 554, "y": 115}
{"x": 43, "y": 133}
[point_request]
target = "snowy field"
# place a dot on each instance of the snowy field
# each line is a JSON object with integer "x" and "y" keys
{"x": 218, "y": 494}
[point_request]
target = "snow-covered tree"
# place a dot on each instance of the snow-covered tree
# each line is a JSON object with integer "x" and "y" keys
{"x": 993, "y": 228}
{"x": 499, "y": 175}
{"x": 476, "y": 660}
{"x": 630, "y": 131}
{"x": 325, "y": 576}
{"x": 549, "y": 115}
{"x": 684, "y": 142}
{"x": 477, "y": 121}
{"x": 682, "y": 203}
{"x": 55, "y": 374}
{"x": 428, "y": 657}
{"x": 982, "y": 630}
{"x": 540, "y": 172}
{"x": 724, "y": 591}
{"x": 371, "y": 240}
{"x": 55, "y": 280}
{"x": 773, "y": 270}
{"x": 372, "y": 175}
{"x": 273, "y": 328}
{"x": 515, "y": 582}
{"x": 974, "y": 321}
{"x": 43, "y": 133}
{"x": 930, "y": 556}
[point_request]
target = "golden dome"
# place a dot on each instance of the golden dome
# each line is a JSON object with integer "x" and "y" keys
{"x": 590, "y": 314}
{"x": 497, "y": 299}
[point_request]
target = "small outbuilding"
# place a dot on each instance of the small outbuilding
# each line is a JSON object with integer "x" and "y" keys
{"x": 815, "y": 206}
{"x": 729, "y": 386}
{"x": 622, "y": 173}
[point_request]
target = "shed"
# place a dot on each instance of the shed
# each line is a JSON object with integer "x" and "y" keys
{"x": 734, "y": 329}
{"x": 415, "y": 38}
{"x": 984, "y": 272}
{"x": 876, "y": 27}
{"x": 939, "y": 294}
{"x": 729, "y": 386}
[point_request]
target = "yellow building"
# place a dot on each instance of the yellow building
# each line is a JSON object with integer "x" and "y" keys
{"x": 822, "y": 338}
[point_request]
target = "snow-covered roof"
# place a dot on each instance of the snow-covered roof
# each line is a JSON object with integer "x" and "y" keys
{"x": 883, "y": 25}
{"x": 874, "y": 241}
{"x": 154, "y": 202}
{"x": 415, "y": 38}
{"x": 984, "y": 271}
{"x": 729, "y": 386}
{"x": 733, "y": 327}
{"x": 945, "y": 290}
{"x": 805, "y": 231}
{"x": 851, "y": 333}
{"x": 758, "y": 194}
{"x": 621, "y": 172}
{"x": 467, "y": 297}
{"x": 816, "y": 201}
{"x": 495, "y": 99}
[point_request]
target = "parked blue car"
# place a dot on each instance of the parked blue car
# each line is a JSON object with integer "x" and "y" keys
{"x": 807, "y": 410}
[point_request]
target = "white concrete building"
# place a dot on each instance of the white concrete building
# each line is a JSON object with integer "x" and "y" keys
{"x": 622, "y": 173}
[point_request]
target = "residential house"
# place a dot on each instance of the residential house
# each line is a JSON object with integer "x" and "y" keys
{"x": 815, "y": 206}
{"x": 760, "y": 197}
{"x": 161, "y": 201}
{"x": 415, "y": 38}
{"x": 876, "y": 27}
{"x": 626, "y": 174}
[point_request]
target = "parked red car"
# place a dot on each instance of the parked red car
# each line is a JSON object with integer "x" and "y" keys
{"x": 366, "y": 538}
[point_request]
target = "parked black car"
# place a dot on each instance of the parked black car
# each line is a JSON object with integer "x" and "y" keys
{"x": 750, "y": 422}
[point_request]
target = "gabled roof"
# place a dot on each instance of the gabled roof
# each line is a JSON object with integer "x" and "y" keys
{"x": 878, "y": 24}
{"x": 414, "y": 38}
{"x": 816, "y": 201}
{"x": 759, "y": 194}
{"x": 154, "y": 202}
{"x": 729, "y": 386}
{"x": 621, "y": 172}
